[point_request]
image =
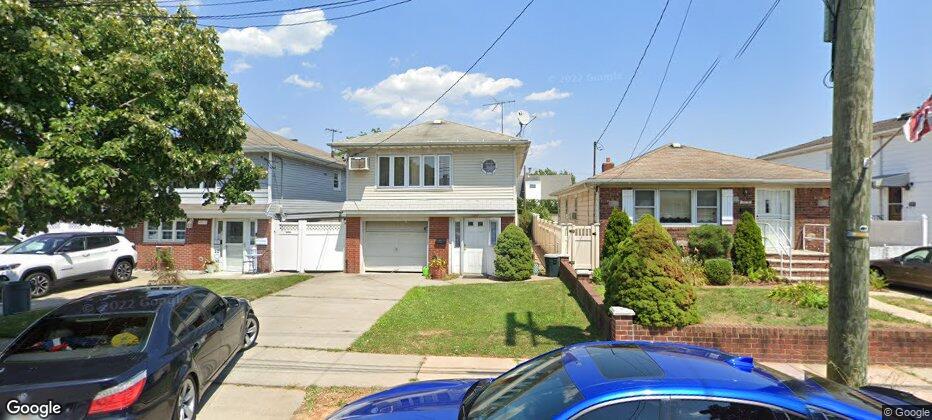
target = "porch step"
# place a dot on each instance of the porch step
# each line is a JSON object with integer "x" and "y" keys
{"x": 807, "y": 279}
{"x": 775, "y": 263}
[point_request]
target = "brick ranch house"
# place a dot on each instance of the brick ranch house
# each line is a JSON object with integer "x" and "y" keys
{"x": 685, "y": 187}
{"x": 303, "y": 183}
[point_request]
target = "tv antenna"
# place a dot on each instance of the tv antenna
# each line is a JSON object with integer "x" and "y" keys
{"x": 524, "y": 118}
{"x": 332, "y": 132}
{"x": 500, "y": 105}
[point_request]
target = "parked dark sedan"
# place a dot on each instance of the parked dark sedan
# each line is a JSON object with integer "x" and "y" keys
{"x": 912, "y": 269}
{"x": 141, "y": 353}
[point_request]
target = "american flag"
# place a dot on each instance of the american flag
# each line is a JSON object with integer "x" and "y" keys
{"x": 919, "y": 123}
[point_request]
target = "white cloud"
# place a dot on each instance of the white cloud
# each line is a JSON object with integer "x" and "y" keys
{"x": 281, "y": 40}
{"x": 394, "y": 61}
{"x": 239, "y": 66}
{"x": 285, "y": 132}
{"x": 404, "y": 95}
{"x": 296, "y": 80}
{"x": 537, "y": 150}
{"x": 551, "y": 94}
{"x": 308, "y": 64}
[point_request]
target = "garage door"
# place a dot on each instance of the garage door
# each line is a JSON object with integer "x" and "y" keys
{"x": 395, "y": 246}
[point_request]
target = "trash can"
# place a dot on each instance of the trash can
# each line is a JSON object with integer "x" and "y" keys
{"x": 552, "y": 264}
{"x": 16, "y": 297}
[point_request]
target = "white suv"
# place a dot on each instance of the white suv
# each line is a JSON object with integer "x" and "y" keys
{"x": 55, "y": 258}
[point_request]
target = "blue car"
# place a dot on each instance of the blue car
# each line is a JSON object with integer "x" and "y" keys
{"x": 628, "y": 380}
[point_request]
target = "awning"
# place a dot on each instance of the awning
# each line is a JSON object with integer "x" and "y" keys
{"x": 892, "y": 180}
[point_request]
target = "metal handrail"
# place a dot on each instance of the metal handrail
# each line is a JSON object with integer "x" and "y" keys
{"x": 781, "y": 247}
{"x": 825, "y": 240}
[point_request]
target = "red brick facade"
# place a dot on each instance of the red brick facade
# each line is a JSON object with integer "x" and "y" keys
{"x": 811, "y": 206}
{"x": 438, "y": 230}
{"x": 189, "y": 255}
{"x": 264, "y": 230}
{"x": 353, "y": 250}
{"x": 507, "y": 221}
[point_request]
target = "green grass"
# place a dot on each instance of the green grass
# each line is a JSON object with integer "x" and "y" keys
{"x": 913, "y": 304}
{"x": 519, "y": 319}
{"x": 752, "y": 306}
{"x": 249, "y": 288}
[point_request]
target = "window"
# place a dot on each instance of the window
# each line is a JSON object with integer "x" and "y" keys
{"x": 532, "y": 185}
{"x": 94, "y": 242}
{"x": 457, "y": 229}
{"x": 187, "y": 317}
{"x": 917, "y": 256}
{"x": 707, "y": 206}
{"x": 643, "y": 204}
{"x": 894, "y": 203}
{"x": 641, "y": 409}
{"x": 539, "y": 388}
{"x": 726, "y": 410}
{"x": 168, "y": 231}
{"x": 493, "y": 231}
{"x": 675, "y": 206}
{"x": 336, "y": 181}
{"x": 211, "y": 303}
{"x": 414, "y": 171}
{"x": 74, "y": 245}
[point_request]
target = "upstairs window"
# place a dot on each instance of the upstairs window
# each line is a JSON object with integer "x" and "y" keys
{"x": 414, "y": 171}
{"x": 336, "y": 181}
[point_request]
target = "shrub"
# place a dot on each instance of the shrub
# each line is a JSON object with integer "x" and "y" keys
{"x": 710, "y": 241}
{"x": 646, "y": 276}
{"x": 598, "y": 276}
{"x": 763, "y": 274}
{"x": 877, "y": 280}
{"x": 748, "y": 253}
{"x": 804, "y": 295}
{"x": 514, "y": 259}
{"x": 616, "y": 231}
{"x": 166, "y": 272}
{"x": 694, "y": 271}
{"x": 718, "y": 271}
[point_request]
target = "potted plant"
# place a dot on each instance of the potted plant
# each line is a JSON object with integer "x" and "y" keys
{"x": 210, "y": 265}
{"x": 437, "y": 268}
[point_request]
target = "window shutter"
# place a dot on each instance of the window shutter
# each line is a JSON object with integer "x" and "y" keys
{"x": 728, "y": 207}
{"x": 627, "y": 202}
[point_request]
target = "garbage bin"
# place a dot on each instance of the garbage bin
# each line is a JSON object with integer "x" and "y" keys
{"x": 16, "y": 297}
{"x": 552, "y": 264}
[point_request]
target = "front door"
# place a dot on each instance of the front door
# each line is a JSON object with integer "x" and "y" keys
{"x": 476, "y": 238}
{"x": 774, "y": 216}
{"x": 233, "y": 245}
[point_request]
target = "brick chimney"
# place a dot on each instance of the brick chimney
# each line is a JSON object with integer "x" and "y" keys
{"x": 608, "y": 164}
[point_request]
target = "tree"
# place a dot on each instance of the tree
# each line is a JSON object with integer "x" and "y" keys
{"x": 616, "y": 231}
{"x": 104, "y": 114}
{"x": 514, "y": 258}
{"x": 548, "y": 171}
{"x": 748, "y": 253}
{"x": 646, "y": 275}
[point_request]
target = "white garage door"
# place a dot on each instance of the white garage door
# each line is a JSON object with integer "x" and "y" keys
{"x": 395, "y": 246}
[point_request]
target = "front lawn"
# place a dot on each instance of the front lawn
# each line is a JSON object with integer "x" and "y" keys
{"x": 248, "y": 288}
{"x": 752, "y": 306}
{"x": 320, "y": 402}
{"x": 520, "y": 319}
{"x": 912, "y": 303}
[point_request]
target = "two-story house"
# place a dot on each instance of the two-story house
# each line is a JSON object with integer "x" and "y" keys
{"x": 438, "y": 189}
{"x": 302, "y": 183}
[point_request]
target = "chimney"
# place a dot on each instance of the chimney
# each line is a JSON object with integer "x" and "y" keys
{"x": 607, "y": 164}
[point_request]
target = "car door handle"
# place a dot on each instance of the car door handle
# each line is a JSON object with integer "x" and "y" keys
{"x": 86, "y": 255}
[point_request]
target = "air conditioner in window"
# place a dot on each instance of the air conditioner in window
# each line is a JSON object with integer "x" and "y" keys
{"x": 359, "y": 163}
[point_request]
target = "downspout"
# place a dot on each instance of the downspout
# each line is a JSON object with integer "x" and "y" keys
{"x": 268, "y": 180}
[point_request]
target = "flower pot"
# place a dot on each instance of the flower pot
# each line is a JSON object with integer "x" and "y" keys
{"x": 210, "y": 268}
{"x": 438, "y": 273}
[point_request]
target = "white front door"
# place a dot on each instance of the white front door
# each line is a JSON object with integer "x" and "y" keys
{"x": 476, "y": 239}
{"x": 234, "y": 246}
{"x": 775, "y": 217}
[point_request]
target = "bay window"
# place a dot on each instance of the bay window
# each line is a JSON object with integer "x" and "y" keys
{"x": 414, "y": 171}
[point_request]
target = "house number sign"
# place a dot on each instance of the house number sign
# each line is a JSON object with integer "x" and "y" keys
{"x": 488, "y": 166}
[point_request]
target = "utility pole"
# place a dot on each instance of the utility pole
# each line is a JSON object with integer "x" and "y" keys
{"x": 501, "y": 106}
{"x": 852, "y": 130}
{"x": 595, "y": 150}
{"x": 332, "y": 132}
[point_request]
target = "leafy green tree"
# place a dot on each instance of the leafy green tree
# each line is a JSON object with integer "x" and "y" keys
{"x": 514, "y": 258}
{"x": 104, "y": 113}
{"x": 616, "y": 231}
{"x": 749, "y": 254}
{"x": 710, "y": 241}
{"x": 548, "y": 171}
{"x": 646, "y": 276}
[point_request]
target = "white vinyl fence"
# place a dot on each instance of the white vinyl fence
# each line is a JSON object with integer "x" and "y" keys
{"x": 579, "y": 243}
{"x": 891, "y": 238}
{"x": 308, "y": 246}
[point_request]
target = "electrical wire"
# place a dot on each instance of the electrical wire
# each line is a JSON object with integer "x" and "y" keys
{"x": 459, "y": 79}
{"x": 747, "y": 42}
{"x": 663, "y": 79}
{"x": 331, "y": 19}
{"x": 264, "y": 13}
{"x": 633, "y": 75}
{"x": 168, "y": 3}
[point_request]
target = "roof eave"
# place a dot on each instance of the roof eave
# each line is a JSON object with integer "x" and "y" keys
{"x": 351, "y": 145}
{"x": 292, "y": 153}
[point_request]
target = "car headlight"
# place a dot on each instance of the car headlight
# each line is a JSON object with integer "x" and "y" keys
{"x": 9, "y": 267}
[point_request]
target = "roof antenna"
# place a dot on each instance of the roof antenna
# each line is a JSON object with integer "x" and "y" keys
{"x": 332, "y": 132}
{"x": 500, "y": 105}
{"x": 524, "y": 118}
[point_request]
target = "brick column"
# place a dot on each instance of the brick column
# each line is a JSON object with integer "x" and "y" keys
{"x": 510, "y": 220}
{"x": 439, "y": 229}
{"x": 811, "y": 205}
{"x": 264, "y": 230}
{"x": 622, "y": 323}
{"x": 353, "y": 250}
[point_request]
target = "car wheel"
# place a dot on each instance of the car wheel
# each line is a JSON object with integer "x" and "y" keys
{"x": 186, "y": 407}
{"x": 251, "y": 331}
{"x": 122, "y": 271}
{"x": 40, "y": 283}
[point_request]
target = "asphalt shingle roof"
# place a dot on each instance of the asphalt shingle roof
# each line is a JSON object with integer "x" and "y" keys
{"x": 258, "y": 139}
{"x": 432, "y": 132}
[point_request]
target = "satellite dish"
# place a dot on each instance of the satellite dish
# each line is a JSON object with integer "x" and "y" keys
{"x": 524, "y": 117}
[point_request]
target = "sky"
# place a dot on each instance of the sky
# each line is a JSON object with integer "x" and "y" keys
{"x": 567, "y": 62}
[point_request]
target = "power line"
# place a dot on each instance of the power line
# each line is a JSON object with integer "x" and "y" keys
{"x": 633, "y": 75}
{"x": 365, "y": 12}
{"x": 264, "y": 13}
{"x": 747, "y": 42}
{"x": 663, "y": 79}
{"x": 164, "y": 3}
{"x": 471, "y": 67}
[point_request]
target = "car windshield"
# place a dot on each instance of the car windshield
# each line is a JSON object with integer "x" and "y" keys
{"x": 538, "y": 389}
{"x": 66, "y": 337}
{"x": 37, "y": 245}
